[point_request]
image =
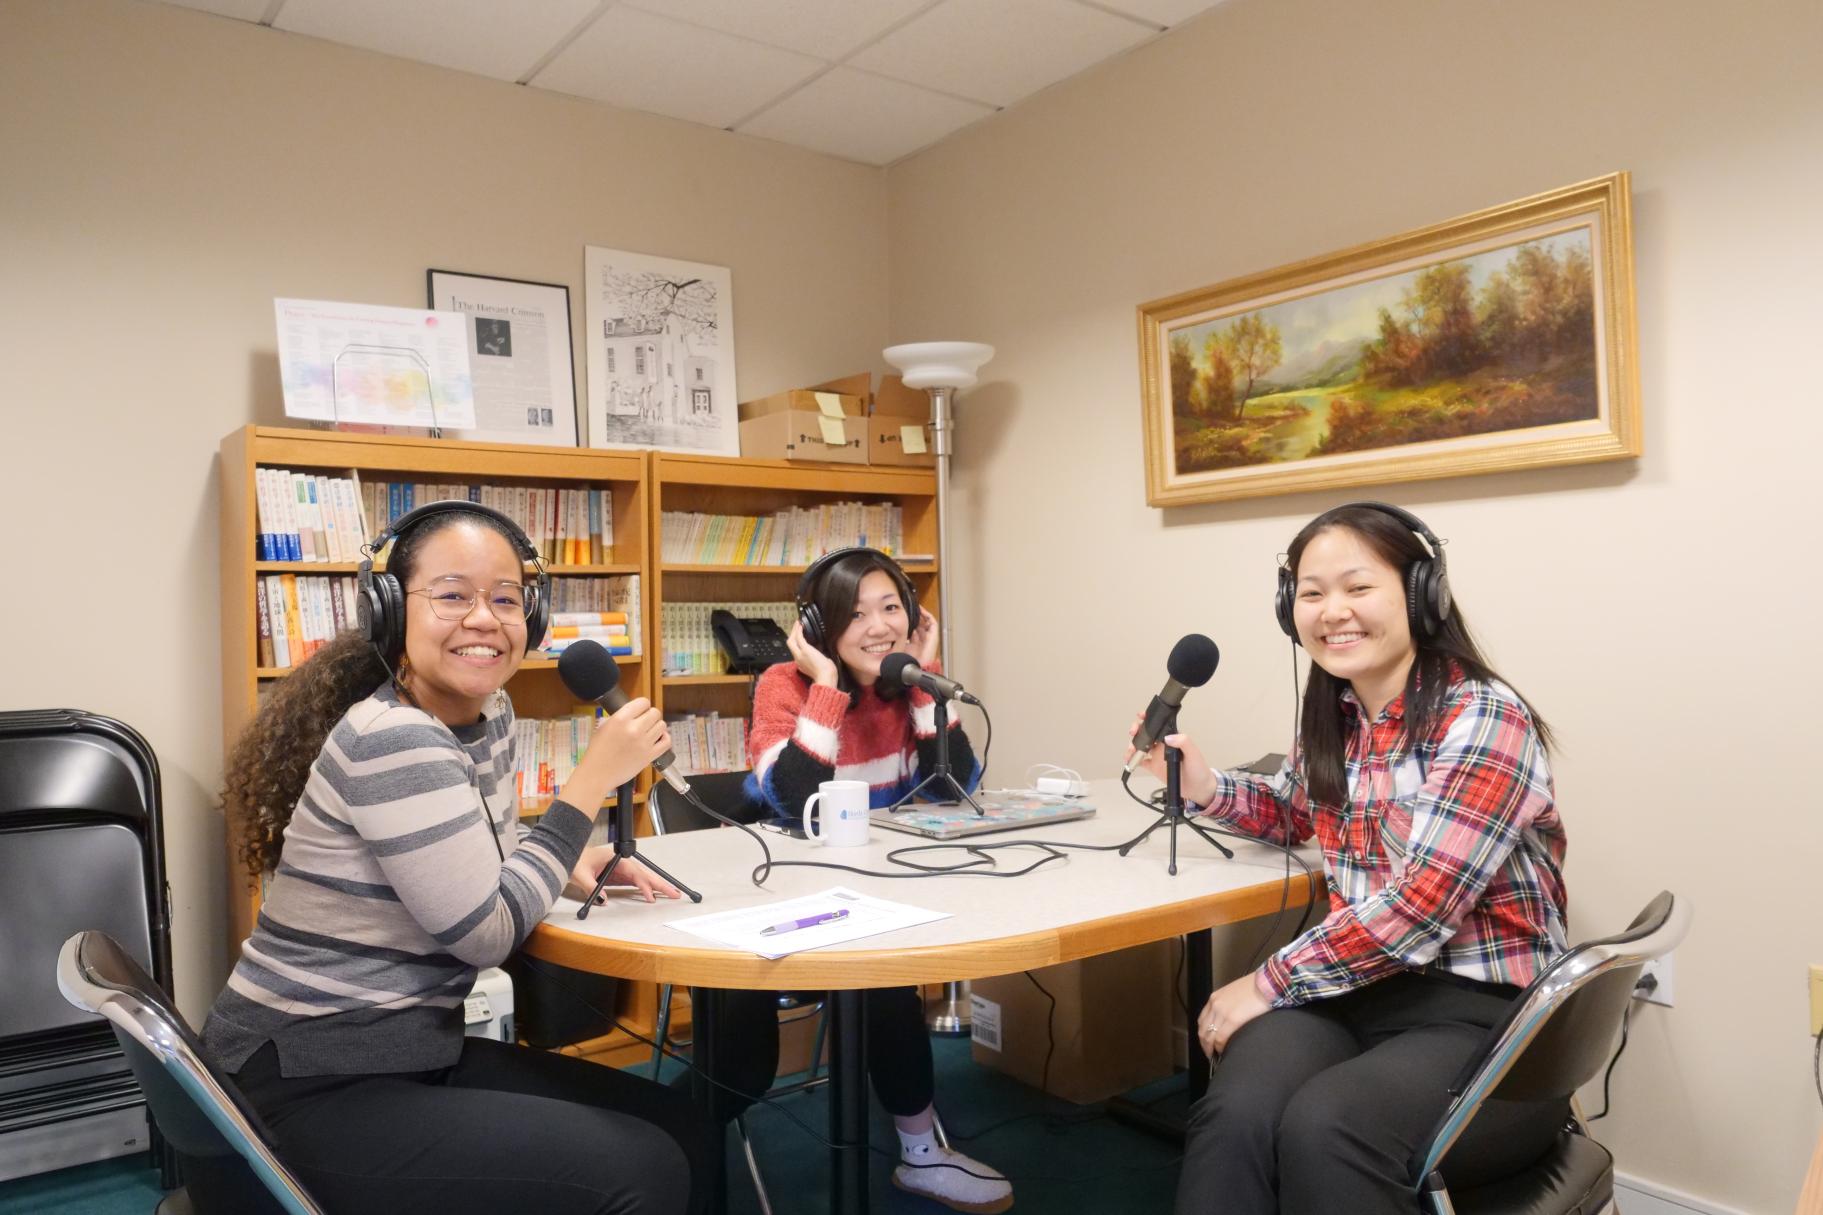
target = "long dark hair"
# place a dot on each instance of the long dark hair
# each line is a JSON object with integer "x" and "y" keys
{"x": 835, "y": 593}
{"x": 269, "y": 763}
{"x": 1323, "y": 729}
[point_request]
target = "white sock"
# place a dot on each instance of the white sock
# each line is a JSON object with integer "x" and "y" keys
{"x": 916, "y": 1147}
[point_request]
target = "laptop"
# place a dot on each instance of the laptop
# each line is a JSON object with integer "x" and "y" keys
{"x": 1006, "y": 810}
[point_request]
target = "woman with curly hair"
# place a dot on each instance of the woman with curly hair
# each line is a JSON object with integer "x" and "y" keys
{"x": 376, "y": 788}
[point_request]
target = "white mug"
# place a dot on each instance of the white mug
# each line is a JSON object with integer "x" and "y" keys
{"x": 843, "y": 821}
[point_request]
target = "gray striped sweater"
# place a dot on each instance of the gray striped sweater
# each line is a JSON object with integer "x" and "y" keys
{"x": 391, "y": 892}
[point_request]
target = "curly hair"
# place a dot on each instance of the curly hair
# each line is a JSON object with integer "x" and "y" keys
{"x": 271, "y": 760}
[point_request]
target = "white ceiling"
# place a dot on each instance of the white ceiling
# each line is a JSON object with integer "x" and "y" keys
{"x": 866, "y": 80}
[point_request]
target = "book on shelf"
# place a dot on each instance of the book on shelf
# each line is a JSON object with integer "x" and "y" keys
{"x": 264, "y": 655}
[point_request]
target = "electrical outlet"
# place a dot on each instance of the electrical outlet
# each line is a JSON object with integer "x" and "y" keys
{"x": 1816, "y": 1000}
{"x": 1659, "y": 969}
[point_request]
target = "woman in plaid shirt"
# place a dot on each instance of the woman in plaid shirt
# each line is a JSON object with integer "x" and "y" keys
{"x": 1424, "y": 778}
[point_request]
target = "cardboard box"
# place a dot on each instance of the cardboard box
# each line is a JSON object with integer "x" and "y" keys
{"x": 898, "y": 430}
{"x": 1112, "y": 1024}
{"x": 797, "y": 434}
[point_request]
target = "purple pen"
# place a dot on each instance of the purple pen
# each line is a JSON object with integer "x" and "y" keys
{"x": 810, "y": 921}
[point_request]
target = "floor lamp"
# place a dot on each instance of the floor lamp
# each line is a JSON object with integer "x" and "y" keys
{"x": 942, "y": 369}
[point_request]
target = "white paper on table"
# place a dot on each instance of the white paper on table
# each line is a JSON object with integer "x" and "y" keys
{"x": 376, "y": 365}
{"x": 867, "y": 916}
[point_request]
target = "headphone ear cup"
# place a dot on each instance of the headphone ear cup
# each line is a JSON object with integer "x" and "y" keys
{"x": 812, "y": 620}
{"x": 384, "y": 604}
{"x": 1417, "y": 600}
{"x": 1282, "y": 600}
{"x": 537, "y": 613}
{"x": 912, "y": 610}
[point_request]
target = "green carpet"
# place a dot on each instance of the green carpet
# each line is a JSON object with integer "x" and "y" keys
{"x": 1061, "y": 1157}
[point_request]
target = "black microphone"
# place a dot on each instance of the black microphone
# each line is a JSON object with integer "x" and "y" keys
{"x": 904, "y": 669}
{"x": 590, "y": 673}
{"x": 1191, "y": 665}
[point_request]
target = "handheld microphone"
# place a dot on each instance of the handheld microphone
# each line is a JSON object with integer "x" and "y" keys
{"x": 1191, "y": 665}
{"x": 902, "y": 668}
{"x": 590, "y": 673}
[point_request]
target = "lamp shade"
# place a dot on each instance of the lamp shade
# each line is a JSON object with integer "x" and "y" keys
{"x": 939, "y": 364}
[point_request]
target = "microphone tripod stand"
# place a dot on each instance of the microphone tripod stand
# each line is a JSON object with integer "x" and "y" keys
{"x": 626, "y": 848}
{"x": 941, "y": 775}
{"x": 1174, "y": 810}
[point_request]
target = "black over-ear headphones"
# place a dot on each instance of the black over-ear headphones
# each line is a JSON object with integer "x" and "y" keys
{"x": 811, "y": 616}
{"x": 380, "y": 600}
{"x": 1427, "y": 582}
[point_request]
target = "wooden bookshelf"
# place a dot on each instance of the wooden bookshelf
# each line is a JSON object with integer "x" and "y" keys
{"x": 719, "y": 485}
{"x": 536, "y": 689}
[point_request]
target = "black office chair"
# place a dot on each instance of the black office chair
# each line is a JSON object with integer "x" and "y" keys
{"x": 198, "y": 1109}
{"x": 672, "y": 812}
{"x": 1555, "y": 1039}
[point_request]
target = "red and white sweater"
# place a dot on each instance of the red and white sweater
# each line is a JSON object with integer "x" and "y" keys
{"x": 804, "y": 734}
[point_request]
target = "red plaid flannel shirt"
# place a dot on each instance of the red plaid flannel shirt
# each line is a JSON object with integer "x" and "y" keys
{"x": 1449, "y": 850}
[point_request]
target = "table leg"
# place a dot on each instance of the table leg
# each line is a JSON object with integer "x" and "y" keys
{"x": 848, "y": 1104}
{"x": 1199, "y": 983}
{"x": 705, "y": 1013}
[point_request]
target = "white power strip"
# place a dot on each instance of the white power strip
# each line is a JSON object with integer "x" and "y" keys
{"x": 1062, "y": 786}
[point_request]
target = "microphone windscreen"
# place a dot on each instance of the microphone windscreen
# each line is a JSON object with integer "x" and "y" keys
{"x": 1193, "y": 660}
{"x": 894, "y": 666}
{"x": 588, "y": 670}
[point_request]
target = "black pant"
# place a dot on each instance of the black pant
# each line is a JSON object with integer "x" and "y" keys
{"x": 1319, "y": 1109}
{"x": 506, "y": 1129}
{"x": 898, "y": 1049}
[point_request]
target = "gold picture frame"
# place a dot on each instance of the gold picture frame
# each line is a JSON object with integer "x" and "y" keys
{"x": 1496, "y": 341}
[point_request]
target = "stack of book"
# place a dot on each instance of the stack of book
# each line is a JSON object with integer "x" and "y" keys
{"x": 609, "y": 629}
{"x": 793, "y": 536}
{"x": 607, "y": 609}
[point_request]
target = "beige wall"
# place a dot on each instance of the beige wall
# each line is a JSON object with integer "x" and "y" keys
{"x": 163, "y": 175}
{"x": 1658, "y": 612}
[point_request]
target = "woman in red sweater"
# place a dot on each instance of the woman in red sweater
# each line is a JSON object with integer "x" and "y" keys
{"x": 826, "y": 716}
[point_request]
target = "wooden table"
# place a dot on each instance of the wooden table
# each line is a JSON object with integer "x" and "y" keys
{"x": 1092, "y": 903}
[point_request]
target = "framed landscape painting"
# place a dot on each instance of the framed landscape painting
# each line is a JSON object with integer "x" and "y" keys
{"x": 1501, "y": 340}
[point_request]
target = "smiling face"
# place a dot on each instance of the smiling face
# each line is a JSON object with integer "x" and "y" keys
{"x": 455, "y": 665}
{"x": 1350, "y": 615}
{"x": 877, "y": 628}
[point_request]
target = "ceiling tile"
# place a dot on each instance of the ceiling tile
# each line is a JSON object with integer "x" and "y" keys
{"x": 646, "y": 62}
{"x": 1161, "y": 12}
{"x": 828, "y": 29}
{"x": 240, "y": 10}
{"x": 481, "y": 36}
{"x": 863, "y": 117}
{"x": 999, "y": 51}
